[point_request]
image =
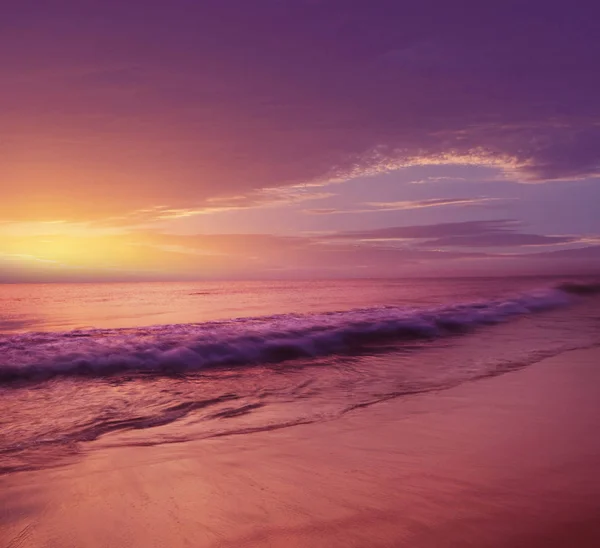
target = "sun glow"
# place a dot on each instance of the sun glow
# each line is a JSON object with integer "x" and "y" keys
{"x": 129, "y": 254}
{"x": 78, "y": 251}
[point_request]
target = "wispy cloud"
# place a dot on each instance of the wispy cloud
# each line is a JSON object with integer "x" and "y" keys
{"x": 495, "y": 238}
{"x": 373, "y": 207}
{"x": 433, "y": 202}
{"x": 418, "y": 249}
{"x": 362, "y": 89}
{"x": 264, "y": 198}
{"x": 269, "y": 197}
{"x": 438, "y": 179}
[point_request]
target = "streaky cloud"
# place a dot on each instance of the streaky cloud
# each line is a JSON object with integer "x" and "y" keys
{"x": 179, "y": 103}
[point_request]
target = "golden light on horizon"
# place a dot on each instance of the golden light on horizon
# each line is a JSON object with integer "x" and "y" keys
{"x": 79, "y": 251}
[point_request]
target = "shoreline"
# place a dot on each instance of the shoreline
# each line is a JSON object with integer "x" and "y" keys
{"x": 512, "y": 460}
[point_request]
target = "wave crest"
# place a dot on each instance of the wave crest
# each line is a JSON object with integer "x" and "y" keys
{"x": 247, "y": 341}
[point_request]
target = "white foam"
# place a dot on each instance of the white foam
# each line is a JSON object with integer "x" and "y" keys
{"x": 249, "y": 341}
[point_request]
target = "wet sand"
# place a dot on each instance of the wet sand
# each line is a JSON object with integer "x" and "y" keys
{"x": 508, "y": 461}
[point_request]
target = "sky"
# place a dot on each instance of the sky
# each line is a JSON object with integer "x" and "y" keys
{"x": 153, "y": 140}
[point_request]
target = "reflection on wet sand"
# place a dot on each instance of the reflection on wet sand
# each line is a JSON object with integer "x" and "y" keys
{"x": 506, "y": 461}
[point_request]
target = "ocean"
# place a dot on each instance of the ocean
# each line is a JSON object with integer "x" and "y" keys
{"x": 81, "y": 361}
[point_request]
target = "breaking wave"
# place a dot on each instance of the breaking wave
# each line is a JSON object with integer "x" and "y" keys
{"x": 171, "y": 349}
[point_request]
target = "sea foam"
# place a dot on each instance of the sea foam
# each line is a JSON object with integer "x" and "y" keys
{"x": 247, "y": 341}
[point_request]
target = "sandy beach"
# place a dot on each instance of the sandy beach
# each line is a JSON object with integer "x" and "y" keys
{"x": 299, "y": 274}
{"x": 512, "y": 460}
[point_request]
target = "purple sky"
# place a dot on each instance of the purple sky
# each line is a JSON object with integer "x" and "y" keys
{"x": 299, "y": 137}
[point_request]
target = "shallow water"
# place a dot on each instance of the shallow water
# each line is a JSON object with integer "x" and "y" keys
{"x": 80, "y": 361}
